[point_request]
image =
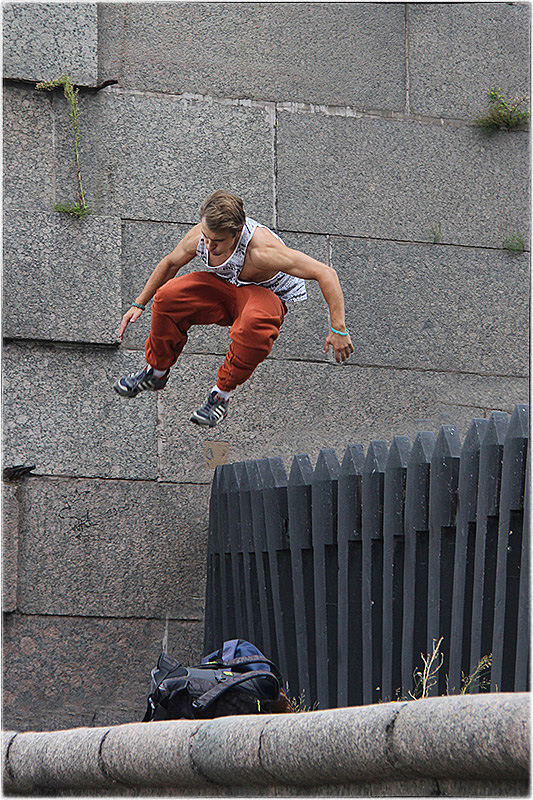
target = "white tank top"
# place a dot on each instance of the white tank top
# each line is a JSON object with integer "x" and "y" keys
{"x": 287, "y": 287}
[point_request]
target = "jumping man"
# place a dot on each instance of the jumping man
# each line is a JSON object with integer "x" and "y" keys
{"x": 251, "y": 277}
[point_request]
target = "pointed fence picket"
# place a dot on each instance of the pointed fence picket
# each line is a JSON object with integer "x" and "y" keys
{"x": 393, "y": 565}
{"x": 350, "y": 562}
{"x": 463, "y": 573}
{"x": 415, "y": 583}
{"x": 347, "y": 574}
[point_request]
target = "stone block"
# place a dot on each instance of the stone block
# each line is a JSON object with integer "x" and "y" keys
{"x": 113, "y": 549}
{"x": 61, "y": 277}
{"x": 42, "y": 761}
{"x": 351, "y": 741}
{"x": 319, "y": 53}
{"x": 435, "y": 307}
{"x": 153, "y": 755}
{"x": 62, "y": 414}
{"x": 291, "y": 407}
{"x": 465, "y": 737}
{"x": 459, "y": 51}
{"x": 156, "y": 157}
{"x": 10, "y": 545}
{"x": 213, "y": 743}
{"x": 45, "y": 40}
{"x": 28, "y": 150}
{"x": 392, "y": 179}
{"x": 92, "y": 672}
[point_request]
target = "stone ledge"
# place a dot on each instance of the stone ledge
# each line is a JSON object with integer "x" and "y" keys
{"x": 446, "y": 738}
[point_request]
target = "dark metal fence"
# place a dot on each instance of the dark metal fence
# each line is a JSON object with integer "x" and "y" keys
{"x": 346, "y": 574}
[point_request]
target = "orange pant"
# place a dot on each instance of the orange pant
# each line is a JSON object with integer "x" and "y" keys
{"x": 201, "y": 298}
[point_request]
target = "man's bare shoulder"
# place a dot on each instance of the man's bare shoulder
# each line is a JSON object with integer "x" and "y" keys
{"x": 262, "y": 245}
{"x": 191, "y": 239}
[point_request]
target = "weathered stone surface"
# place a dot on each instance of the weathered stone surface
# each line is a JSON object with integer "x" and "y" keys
{"x": 465, "y": 736}
{"x": 111, "y": 22}
{"x": 321, "y": 53}
{"x": 310, "y": 749}
{"x": 113, "y": 548}
{"x": 61, "y": 277}
{"x": 390, "y": 179}
{"x": 156, "y": 157}
{"x": 46, "y": 760}
{"x": 10, "y": 546}
{"x": 458, "y": 51}
{"x": 429, "y": 306}
{"x": 28, "y": 150}
{"x": 326, "y": 740}
{"x": 62, "y": 414}
{"x": 213, "y": 743}
{"x": 45, "y": 40}
{"x": 153, "y": 755}
{"x": 74, "y": 658}
{"x": 290, "y": 407}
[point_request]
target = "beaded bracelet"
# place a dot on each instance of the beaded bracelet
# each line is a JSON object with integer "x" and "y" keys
{"x": 340, "y": 332}
{"x": 138, "y": 305}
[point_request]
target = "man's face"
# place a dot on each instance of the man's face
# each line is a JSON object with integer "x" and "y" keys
{"x": 218, "y": 243}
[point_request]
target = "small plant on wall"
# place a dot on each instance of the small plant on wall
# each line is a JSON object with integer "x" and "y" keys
{"x": 502, "y": 112}
{"x": 79, "y": 209}
{"x": 514, "y": 242}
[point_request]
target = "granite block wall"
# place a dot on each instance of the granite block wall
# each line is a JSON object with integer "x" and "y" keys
{"x": 348, "y": 128}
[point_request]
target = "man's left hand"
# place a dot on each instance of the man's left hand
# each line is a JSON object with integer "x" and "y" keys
{"x": 342, "y": 346}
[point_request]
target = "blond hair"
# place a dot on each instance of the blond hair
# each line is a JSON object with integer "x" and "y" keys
{"x": 223, "y": 211}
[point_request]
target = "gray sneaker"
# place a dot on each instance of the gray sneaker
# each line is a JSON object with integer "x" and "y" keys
{"x": 131, "y": 385}
{"x": 213, "y": 410}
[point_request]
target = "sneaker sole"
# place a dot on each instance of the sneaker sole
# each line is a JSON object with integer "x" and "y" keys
{"x": 204, "y": 423}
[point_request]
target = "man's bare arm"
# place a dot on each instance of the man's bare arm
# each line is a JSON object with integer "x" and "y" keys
{"x": 167, "y": 268}
{"x": 294, "y": 262}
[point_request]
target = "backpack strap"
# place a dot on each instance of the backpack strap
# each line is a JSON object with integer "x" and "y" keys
{"x": 204, "y": 701}
{"x": 244, "y": 660}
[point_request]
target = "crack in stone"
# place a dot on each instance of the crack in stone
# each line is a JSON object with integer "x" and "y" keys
{"x": 261, "y": 764}
{"x": 389, "y": 735}
{"x": 194, "y": 766}
{"x": 9, "y": 769}
{"x": 107, "y": 772}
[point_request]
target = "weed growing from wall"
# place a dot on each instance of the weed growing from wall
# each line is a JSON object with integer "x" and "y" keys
{"x": 515, "y": 242}
{"x": 503, "y": 113}
{"x": 79, "y": 209}
{"x": 298, "y": 704}
{"x": 436, "y": 233}
{"x": 426, "y": 677}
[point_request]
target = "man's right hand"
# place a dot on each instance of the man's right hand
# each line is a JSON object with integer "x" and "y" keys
{"x": 132, "y": 315}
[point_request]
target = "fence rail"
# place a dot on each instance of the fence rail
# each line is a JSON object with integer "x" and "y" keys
{"x": 346, "y": 574}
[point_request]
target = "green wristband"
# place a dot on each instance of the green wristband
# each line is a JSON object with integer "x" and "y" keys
{"x": 340, "y": 332}
{"x": 138, "y": 305}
